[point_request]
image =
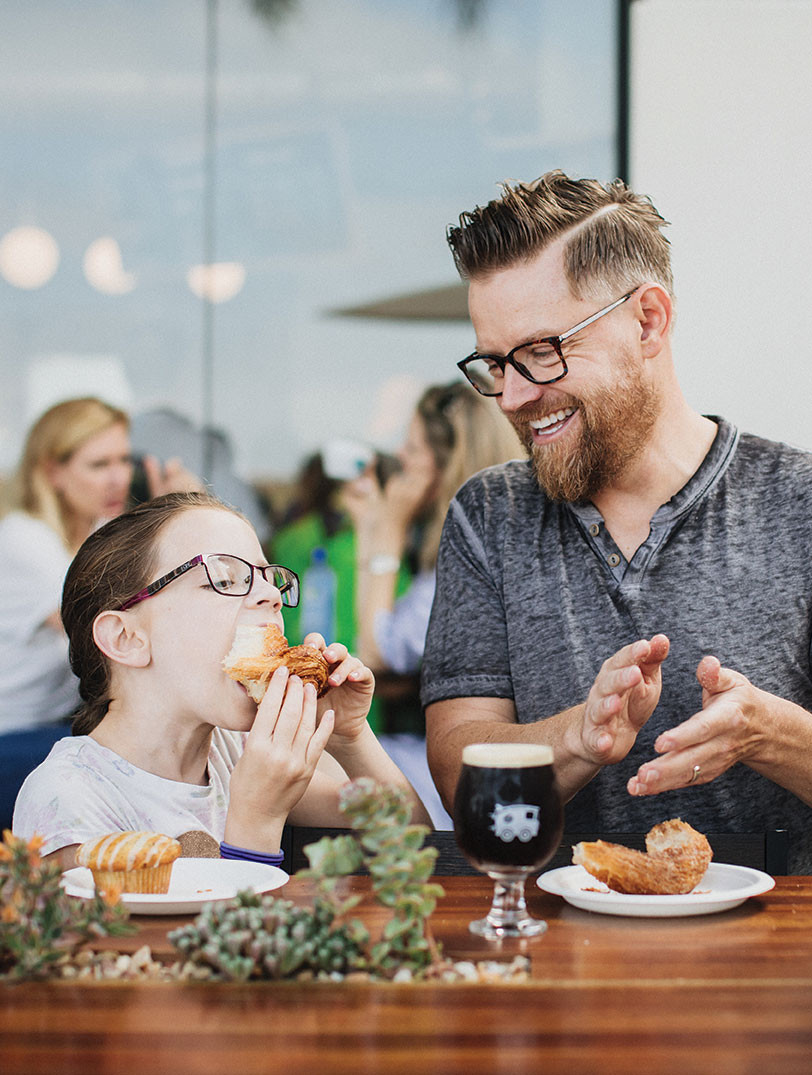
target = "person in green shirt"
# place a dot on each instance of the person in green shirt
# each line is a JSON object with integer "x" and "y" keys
{"x": 315, "y": 521}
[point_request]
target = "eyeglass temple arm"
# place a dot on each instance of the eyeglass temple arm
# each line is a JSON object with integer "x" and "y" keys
{"x": 601, "y": 313}
{"x": 159, "y": 584}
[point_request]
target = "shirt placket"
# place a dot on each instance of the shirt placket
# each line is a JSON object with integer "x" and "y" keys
{"x": 603, "y": 546}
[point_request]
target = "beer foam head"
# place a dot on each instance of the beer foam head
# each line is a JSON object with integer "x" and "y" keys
{"x": 507, "y": 755}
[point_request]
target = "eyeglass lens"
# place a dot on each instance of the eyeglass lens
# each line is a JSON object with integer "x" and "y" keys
{"x": 540, "y": 360}
{"x": 231, "y": 575}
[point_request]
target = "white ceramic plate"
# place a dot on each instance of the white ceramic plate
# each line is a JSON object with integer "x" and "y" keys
{"x": 194, "y": 882}
{"x": 722, "y": 888}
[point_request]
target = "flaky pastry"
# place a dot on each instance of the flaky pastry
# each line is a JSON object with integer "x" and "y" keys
{"x": 258, "y": 651}
{"x": 673, "y": 863}
{"x": 130, "y": 861}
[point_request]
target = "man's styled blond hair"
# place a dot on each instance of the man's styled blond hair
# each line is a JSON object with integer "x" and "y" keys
{"x": 613, "y": 237}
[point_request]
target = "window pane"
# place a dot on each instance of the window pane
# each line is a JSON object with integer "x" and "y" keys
{"x": 348, "y": 136}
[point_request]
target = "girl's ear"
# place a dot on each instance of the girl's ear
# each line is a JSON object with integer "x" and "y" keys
{"x": 119, "y": 638}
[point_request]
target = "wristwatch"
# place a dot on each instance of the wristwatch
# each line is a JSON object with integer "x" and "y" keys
{"x": 382, "y": 564}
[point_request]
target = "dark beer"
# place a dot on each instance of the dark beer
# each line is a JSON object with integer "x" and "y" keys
{"x": 507, "y": 811}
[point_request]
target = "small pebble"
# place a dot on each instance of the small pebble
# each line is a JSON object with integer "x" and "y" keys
{"x": 107, "y": 966}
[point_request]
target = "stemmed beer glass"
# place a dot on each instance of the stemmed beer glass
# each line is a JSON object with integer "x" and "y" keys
{"x": 507, "y": 821}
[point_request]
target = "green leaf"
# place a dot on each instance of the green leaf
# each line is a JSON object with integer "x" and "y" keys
{"x": 334, "y": 856}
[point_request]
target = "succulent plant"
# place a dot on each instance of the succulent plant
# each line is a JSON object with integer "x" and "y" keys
{"x": 261, "y": 936}
{"x": 39, "y": 923}
{"x": 399, "y": 865}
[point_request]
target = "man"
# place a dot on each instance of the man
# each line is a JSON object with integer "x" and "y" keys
{"x": 638, "y": 594}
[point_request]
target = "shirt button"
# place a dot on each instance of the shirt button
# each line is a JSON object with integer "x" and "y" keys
{"x": 594, "y": 530}
{"x": 613, "y": 559}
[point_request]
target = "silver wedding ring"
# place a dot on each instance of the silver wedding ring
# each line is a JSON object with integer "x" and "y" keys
{"x": 694, "y": 775}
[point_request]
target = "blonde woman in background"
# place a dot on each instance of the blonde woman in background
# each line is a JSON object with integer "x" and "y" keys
{"x": 74, "y": 474}
{"x": 75, "y": 471}
{"x": 452, "y": 435}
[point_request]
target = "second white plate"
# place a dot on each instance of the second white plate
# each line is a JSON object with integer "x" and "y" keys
{"x": 722, "y": 888}
{"x": 194, "y": 882}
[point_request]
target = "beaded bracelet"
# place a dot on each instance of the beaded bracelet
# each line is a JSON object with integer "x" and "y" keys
{"x": 229, "y": 851}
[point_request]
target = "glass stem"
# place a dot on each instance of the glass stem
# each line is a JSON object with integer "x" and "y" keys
{"x": 508, "y": 906}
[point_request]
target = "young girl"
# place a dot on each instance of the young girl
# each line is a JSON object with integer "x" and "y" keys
{"x": 166, "y": 741}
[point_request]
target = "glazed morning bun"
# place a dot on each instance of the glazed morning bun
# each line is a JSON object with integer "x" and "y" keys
{"x": 130, "y": 861}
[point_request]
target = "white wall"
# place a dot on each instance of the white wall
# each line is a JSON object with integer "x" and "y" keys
{"x": 721, "y": 139}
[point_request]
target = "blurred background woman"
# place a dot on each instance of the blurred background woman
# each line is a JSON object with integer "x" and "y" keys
{"x": 75, "y": 473}
{"x": 454, "y": 432}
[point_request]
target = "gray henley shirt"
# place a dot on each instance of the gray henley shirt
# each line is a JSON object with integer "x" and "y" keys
{"x": 533, "y": 595}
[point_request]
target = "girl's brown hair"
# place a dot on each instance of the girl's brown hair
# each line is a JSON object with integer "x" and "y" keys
{"x": 114, "y": 563}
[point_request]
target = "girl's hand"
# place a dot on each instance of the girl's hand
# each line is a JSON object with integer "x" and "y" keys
{"x": 278, "y": 762}
{"x": 350, "y": 688}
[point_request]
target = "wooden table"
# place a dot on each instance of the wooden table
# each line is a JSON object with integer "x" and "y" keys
{"x": 725, "y": 993}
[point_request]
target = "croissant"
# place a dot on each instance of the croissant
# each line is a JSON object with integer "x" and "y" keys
{"x": 258, "y": 651}
{"x": 674, "y": 861}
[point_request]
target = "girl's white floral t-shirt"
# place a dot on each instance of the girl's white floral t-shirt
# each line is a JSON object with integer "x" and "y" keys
{"x": 83, "y": 790}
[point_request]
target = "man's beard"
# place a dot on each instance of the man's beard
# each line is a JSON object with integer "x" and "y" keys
{"x": 615, "y": 426}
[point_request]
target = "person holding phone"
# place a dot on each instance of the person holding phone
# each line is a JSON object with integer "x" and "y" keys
{"x": 453, "y": 433}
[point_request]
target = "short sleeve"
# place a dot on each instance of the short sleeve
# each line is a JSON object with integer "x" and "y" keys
{"x": 466, "y": 645}
{"x": 65, "y": 804}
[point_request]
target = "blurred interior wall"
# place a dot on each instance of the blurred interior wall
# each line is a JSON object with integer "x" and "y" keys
{"x": 721, "y": 138}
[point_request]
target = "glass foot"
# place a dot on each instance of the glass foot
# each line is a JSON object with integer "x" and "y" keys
{"x": 492, "y": 931}
{"x": 508, "y": 916}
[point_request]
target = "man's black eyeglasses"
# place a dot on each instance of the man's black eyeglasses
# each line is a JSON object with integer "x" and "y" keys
{"x": 540, "y": 361}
